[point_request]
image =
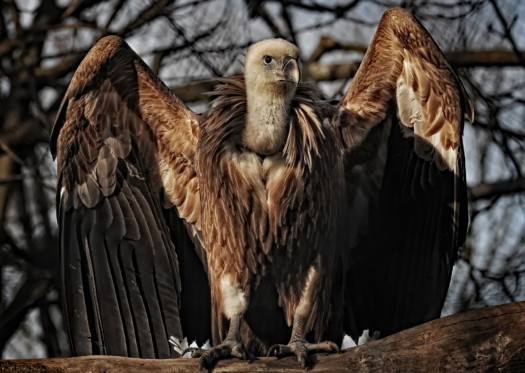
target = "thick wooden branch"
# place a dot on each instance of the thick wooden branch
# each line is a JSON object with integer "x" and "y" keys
{"x": 487, "y": 339}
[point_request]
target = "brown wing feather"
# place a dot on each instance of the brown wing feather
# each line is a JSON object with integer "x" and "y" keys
{"x": 122, "y": 139}
{"x": 401, "y": 121}
{"x": 404, "y": 64}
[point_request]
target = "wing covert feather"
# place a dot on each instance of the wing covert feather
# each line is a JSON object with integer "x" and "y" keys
{"x": 118, "y": 132}
{"x": 403, "y": 64}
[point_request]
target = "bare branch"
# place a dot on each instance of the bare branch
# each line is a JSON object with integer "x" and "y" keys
{"x": 507, "y": 29}
{"x": 491, "y": 190}
{"x": 485, "y": 339}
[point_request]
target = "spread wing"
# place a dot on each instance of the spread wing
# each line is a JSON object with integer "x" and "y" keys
{"x": 401, "y": 120}
{"x": 125, "y": 147}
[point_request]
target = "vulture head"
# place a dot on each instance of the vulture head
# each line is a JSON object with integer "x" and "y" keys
{"x": 271, "y": 73}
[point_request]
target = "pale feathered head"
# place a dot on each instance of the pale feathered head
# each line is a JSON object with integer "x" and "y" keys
{"x": 272, "y": 67}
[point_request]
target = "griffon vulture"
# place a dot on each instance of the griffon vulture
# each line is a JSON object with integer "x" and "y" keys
{"x": 273, "y": 222}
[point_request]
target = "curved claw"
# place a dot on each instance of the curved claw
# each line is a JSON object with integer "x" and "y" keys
{"x": 302, "y": 349}
{"x": 275, "y": 350}
{"x": 331, "y": 347}
{"x": 195, "y": 352}
{"x": 228, "y": 348}
{"x": 271, "y": 350}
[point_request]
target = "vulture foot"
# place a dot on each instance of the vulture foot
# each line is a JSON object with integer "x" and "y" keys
{"x": 302, "y": 349}
{"x": 228, "y": 348}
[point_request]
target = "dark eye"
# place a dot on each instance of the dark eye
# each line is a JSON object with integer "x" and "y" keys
{"x": 267, "y": 59}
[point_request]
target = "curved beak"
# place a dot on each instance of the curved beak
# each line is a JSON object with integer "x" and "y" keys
{"x": 291, "y": 70}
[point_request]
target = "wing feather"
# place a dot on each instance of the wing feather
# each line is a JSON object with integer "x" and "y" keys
{"x": 118, "y": 134}
{"x": 403, "y": 64}
{"x": 401, "y": 121}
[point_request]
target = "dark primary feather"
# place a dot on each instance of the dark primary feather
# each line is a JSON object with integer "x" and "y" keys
{"x": 195, "y": 307}
{"x": 120, "y": 279}
{"x": 402, "y": 122}
{"x": 121, "y": 284}
{"x": 399, "y": 269}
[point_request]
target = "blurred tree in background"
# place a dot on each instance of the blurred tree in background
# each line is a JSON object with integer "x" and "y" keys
{"x": 187, "y": 43}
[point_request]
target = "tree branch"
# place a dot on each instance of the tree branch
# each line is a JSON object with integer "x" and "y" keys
{"x": 486, "y": 339}
{"x": 486, "y": 191}
{"x": 474, "y": 58}
{"x": 320, "y": 72}
{"x": 508, "y": 32}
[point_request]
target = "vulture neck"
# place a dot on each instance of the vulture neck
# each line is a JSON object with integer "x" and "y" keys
{"x": 267, "y": 121}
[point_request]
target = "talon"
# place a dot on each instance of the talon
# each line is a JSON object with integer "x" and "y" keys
{"x": 328, "y": 346}
{"x": 205, "y": 362}
{"x": 273, "y": 350}
{"x": 195, "y": 352}
{"x": 302, "y": 360}
{"x": 228, "y": 348}
{"x": 247, "y": 355}
{"x": 301, "y": 349}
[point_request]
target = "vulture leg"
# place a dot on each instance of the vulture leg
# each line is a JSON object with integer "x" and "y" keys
{"x": 231, "y": 346}
{"x": 298, "y": 345}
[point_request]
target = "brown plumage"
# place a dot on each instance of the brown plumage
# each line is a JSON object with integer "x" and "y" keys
{"x": 256, "y": 210}
{"x": 273, "y": 217}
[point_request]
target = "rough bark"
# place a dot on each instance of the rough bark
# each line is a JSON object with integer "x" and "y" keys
{"x": 488, "y": 339}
